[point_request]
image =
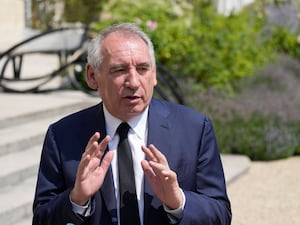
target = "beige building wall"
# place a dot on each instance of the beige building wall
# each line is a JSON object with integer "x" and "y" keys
{"x": 11, "y": 22}
{"x": 228, "y": 6}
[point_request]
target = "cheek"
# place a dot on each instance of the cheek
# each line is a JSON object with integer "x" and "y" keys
{"x": 109, "y": 87}
{"x": 148, "y": 89}
{"x": 101, "y": 84}
{"x": 151, "y": 82}
{"x": 152, "y": 78}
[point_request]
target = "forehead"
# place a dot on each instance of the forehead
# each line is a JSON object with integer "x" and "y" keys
{"x": 124, "y": 45}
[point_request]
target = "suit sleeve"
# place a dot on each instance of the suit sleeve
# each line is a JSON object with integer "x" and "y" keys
{"x": 208, "y": 204}
{"x": 51, "y": 203}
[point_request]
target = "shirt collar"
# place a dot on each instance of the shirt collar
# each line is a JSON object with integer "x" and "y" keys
{"x": 138, "y": 123}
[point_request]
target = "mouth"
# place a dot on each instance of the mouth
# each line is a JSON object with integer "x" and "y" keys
{"x": 132, "y": 98}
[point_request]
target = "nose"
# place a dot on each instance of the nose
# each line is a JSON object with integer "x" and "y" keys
{"x": 132, "y": 80}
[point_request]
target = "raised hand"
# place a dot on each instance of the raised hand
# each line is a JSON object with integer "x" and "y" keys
{"x": 161, "y": 178}
{"x": 90, "y": 172}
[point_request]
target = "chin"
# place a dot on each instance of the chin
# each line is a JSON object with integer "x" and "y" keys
{"x": 134, "y": 111}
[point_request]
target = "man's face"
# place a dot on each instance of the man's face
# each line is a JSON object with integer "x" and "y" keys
{"x": 126, "y": 78}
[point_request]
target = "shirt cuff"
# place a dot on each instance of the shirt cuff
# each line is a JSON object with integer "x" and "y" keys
{"x": 82, "y": 210}
{"x": 175, "y": 214}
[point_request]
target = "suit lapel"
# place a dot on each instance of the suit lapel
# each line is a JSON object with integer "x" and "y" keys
{"x": 158, "y": 125}
{"x": 158, "y": 131}
{"x": 107, "y": 190}
{"x": 108, "y": 195}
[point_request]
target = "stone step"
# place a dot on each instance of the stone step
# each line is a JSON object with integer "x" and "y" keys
{"x": 18, "y": 138}
{"x": 16, "y": 202}
{"x": 24, "y": 221}
{"x": 22, "y": 127}
{"x": 25, "y": 135}
{"x": 234, "y": 166}
{"x": 31, "y": 107}
{"x": 19, "y": 166}
{"x": 24, "y": 120}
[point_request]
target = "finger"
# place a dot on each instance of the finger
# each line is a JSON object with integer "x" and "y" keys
{"x": 159, "y": 169}
{"x": 169, "y": 176}
{"x": 102, "y": 169}
{"x": 94, "y": 138}
{"x": 102, "y": 146}
{"x": 148, "y": 153}
{"x": 164, "y": 175}
{"x": 93, "y": 154}
{"x": 86, "y": 156}
{"x": 146, "y": 166}
{"x": 158, "y": 166}
{"x": 90, "y": 148}
{"x": 83, "y": 167}
{"x": 157, "y": 155}
{"x": 148, "y": 171}
{"x": 107, "y": 161}
{"x": 91, "y": 157}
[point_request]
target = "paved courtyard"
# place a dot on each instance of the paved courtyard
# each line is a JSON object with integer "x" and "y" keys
{"x": 268, "y": 194}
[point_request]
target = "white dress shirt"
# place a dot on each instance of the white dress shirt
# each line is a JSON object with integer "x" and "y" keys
{"x": 137, "y": 137}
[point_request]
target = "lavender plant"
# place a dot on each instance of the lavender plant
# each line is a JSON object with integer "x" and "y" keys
{"x": 262, "y": 120}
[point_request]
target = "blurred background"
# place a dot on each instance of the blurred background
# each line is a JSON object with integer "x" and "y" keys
{"x": 237, "y": 61}
{"x": 234, "y": 60}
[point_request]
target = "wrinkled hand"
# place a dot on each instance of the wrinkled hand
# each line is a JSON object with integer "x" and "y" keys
{"x": 90, "y": 173}
{"x": 161, "y": 178}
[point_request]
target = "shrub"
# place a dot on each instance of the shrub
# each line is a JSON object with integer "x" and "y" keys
{"x": 284, "y": 41}
{"x": 84, "y": 11}
{"x": 259, "y": 137}
{"x": 262, "y": 120}
{"x": 195, "y": 41}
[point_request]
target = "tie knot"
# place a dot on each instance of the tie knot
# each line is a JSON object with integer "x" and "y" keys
{"x": 123, "y": 130}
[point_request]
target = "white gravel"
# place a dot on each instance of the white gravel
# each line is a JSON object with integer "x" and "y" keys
{"x": 268, "y": 194}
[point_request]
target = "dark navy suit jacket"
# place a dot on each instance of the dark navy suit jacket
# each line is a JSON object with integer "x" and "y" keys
{"x": 183, "y": 135}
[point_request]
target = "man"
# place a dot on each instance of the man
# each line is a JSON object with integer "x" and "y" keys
{"x": 178, "y": 175}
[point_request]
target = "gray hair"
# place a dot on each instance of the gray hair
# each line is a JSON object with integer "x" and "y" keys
{"x": 95, "y": 56}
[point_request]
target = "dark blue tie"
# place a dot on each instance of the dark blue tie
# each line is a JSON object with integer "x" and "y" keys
{"x": 129, "y": 213}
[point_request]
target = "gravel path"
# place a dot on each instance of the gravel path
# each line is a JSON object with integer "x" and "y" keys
{"x": 268, "y": 194}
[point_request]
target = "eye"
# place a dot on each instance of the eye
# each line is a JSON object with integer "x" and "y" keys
{"x": 118, "y": 70}
{"x": 143, "y": 69}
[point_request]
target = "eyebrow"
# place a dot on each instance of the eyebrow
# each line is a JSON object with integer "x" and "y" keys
{"x": 121, "y": 65}
{"x": 144, "y": 64}
{"x": 117, "y": 66}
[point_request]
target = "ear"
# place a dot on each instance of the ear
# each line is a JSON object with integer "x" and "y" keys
{"x": 154, "y": 76}
{"x": 90, "y": 76}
